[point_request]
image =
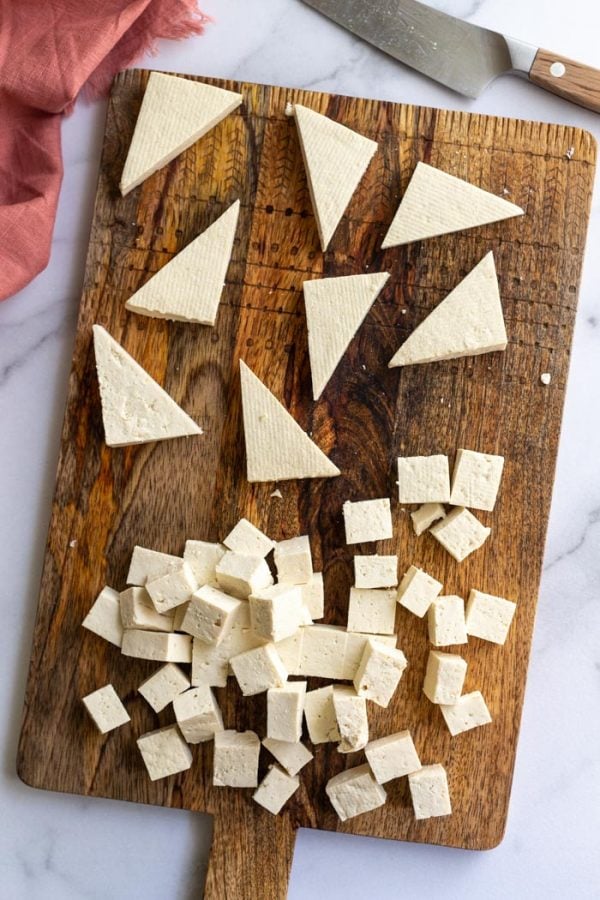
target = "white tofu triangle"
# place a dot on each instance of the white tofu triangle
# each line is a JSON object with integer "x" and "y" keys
{"x": 276, "y": 447}
{"x": 174, "y": 114}
{"x": 436, "y": 203}
{"x": 335, "y": 310}
{"x": 336, "y": 159}
{"x": 135, "y": 409}
{"x": 189, "y": 287}
{"x": 467, "y": 323}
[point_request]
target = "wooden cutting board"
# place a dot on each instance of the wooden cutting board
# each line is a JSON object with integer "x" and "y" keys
{"x": 160, "y": 494}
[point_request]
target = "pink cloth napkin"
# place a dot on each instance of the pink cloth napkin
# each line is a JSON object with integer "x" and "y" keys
{"x": 49, "y": 51}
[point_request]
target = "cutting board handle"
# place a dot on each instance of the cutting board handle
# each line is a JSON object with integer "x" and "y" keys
{"x": 250, "y": 856}
{"x": 569, "y": 79}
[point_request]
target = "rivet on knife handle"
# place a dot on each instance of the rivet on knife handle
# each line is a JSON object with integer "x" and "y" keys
{"x": 569, "y": 79}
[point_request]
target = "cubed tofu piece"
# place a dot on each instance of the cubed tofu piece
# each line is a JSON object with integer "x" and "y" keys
{"x": 157, "y": 646}
{"x": 292, "y": 756}
{"x": 375, "y": 571}
{"x": 277, "y": 611}
{"x": 210, "y": 663}
{"x": 476, "y": 479}
{"x": 105, "y": 709}
{"x": 424, "y": 517}
{"x": 290, "y": 651}
{"x": 489, "y": 617}
{"x": 444, "y": 677}
{"x": 172, "y": 589}
{"x": 210, "y": 614}
{"x": 355, "y": 647}
{"x": 460, "y": 533}
{"x": 164, "y": 752}
{"x": 313, "y": 595}
{"x": 469, "y": 711}
{"x": 322, "y": 652}
{"x": 351, "y": 718}
{"x": 198, "y": 714}
{"x": 379, "y": 672}
{"x": 161, "y": 688}
{"x": 179, "y": 615}
{"x": 146, "y": 565}
{"x": 293, "y": 560}
{"x": 392, "y": 757}
{"x": 368, "y": 520}
{"x": 202, "y": 557}
{"x": 319, "y": 713}
{"x": 285, "y": 710}
{"x": 137, "y": 611}
{"x": 248, "y": 540}
{"x": 258, "y": 670}
{"x": 446, "y": 621}
{"x": 235, "y": 761}
{"x": 417, "y": 591}
{"x": 354, "y": 791}
{"x": 275, "y": 789}
{"x": 241, "y": 575}
{"x": 372, "y": 611}
{"x": 429, "y": 792}
{"x": 104, "y": 617}
{"x": 423, "y": 479}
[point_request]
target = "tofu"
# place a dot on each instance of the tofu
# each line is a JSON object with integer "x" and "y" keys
{"x": 476, "y": 479}
{"x": 489, "y": 617}
{"x": 354, "y": 792}
{"x": 444, "y": 677}
{"x": 164, "y": 752}
{"x": 172, "y": 589}
{"x": 198, "y": 714}
{"x": 285, "y": 711}
{"x": 157, "y": 646}
{"x": 137, "y": 611}
{"x": 241, "y": 575}
{"x": 105, "y": 709}
{"x": 235, "y": 761}
{"x": 179, "y": 615}
{"x": 423, "y": 479}
{"x": 429, "y": 792}
{"x": 290, "y": 651}
{"x": 210, "y": 615}
{"x": 446, "y": 621}
{"x": 210, "y": 663}
{"x": 367, "y": 520}
{"x": 425, "y": 516}
{"x": 293, "y": 560}
{"x": 320, "y": 716}
{"x": 322, "y": 652}
{"x": 202, "y": 557}
{"x": 355, "y": 647}
{"x": 351, "y": 718}
{"x": 392, "y": 757}
{"x": 417, "y": 591}
{"x": 104, "y": 617}
{"x": 469, "y": 711}
{"x": 277, "y": 611}
{"x": 313, "y": 595}
{"x": 275, "y": 789}
{"x": 258, "y": 670}
{"x": 372, "y": 611}
{"x": 379, "y": 672}
{"x": 291, "y": 756}
{"x": 460, "y": 533}
{"x": 248, "y": 540}
{"x": 375, "y": 571}
{"x": 146, "y": 565}
{"x": 161, "y": 688}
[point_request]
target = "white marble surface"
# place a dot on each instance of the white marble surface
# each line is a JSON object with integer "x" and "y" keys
{"x": 54, "y": 846}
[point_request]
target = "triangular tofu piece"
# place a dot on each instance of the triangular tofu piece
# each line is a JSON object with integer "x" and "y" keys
{"x": 467, "y": 323}
{"x": 336, "y": 159}
{"x": 135, "y": 409}
{"x": 437, "y": 203}
{"x": 189, "y": 287}
{"x": 335, "y": 309}
{"x": 174, "y": 114}
{"x": 276, "y": 447}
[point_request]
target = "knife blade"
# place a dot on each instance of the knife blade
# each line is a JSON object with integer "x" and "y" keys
{"x": 463, "y": 56}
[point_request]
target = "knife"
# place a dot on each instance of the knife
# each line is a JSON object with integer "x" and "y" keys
{"x": 464, "y": 57}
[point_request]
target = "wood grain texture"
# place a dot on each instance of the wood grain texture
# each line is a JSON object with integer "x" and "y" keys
{"x": 579, "y": 83}
{"x": 160, "y": 494}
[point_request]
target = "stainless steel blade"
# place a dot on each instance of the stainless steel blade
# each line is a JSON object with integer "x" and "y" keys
{"x": 462, "y": 56}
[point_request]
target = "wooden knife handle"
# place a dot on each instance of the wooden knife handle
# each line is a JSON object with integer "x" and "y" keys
{"x": 569, "y": 79}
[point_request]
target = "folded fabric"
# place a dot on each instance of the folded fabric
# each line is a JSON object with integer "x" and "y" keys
{"x": 49, "y": 51}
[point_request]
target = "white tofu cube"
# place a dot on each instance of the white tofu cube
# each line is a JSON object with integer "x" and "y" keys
{"x": 379, "y": 672}
{"x": 444, "y": 677}
{"x": 392, "y": 757}
{"x": 104, "y": 617}
{"x": 372, "y": 611}
{"x": 157, "y": 646}
{"x": 179, "y": 615}
{"x": 292, "y": 756}
{"x": 322, "y": 651}
{"x": 258, "y": 670}
{"x": 164, "y": 752}
{"x": 489, "y": 617}
{"x": 198, "y": 714}
{"x": 172, "y": 589}
{"x": 146, "y": 565}
{"x": 275, "y": 789}
{"x": 417, "y": 591}
{"x": 476, "y": 479}
{"x": 367, "y": 520}
{"x": 426, "y": 515}
{"x": 460, "y": 533}
{"x": 290, "y": 650}
{"x": 423, "y": 479}
{"x": 319, "y": 713}
{"x": 313, "y": 595}
{"x": 469, "y": 711}
{"x": 354, "y": 791}
{"x": 285, "y": 710}
{"x": 248, "y": 540}
{"x": 210, "y": 614}
{"x": 137, "y": 611}
{"x": 241, "y": 575}
{"x": 293, "y": 560}
{"x": 235, "y": 761}
{"x": 202, "y": 557}
{"x": 375, "y": 571}
{"x": 277, "y": 611}
{"x": 429, "y": 792}
{"x": 105, "y": 709}
{"x": 161, "y": 688}
{"x": 446, "y": 621}
{"x": 210, "y": 663}
{"x": 355, "y": 647}
{"x": 351, "y": 718}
